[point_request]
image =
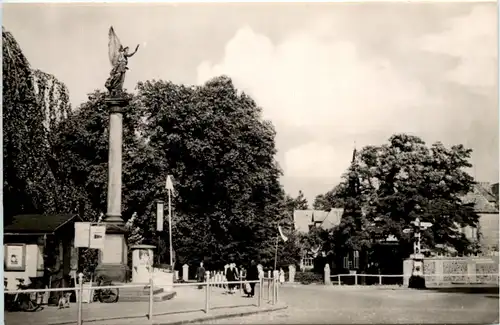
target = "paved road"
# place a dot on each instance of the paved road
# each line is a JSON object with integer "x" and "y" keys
{"x": 362, "y": 305}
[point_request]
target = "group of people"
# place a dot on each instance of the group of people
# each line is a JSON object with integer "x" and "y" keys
{"x": 253, "y": 272}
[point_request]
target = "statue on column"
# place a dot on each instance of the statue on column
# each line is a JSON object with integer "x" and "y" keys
{"x": 118, "y": 56}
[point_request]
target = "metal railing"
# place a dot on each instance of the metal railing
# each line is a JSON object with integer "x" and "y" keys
{"x": 489, "y": 278}
{"x": 272, "y": 291}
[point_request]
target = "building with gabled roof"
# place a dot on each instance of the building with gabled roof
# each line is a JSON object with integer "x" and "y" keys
{"x": 34, "y": 243}
{"x": 485, "y": 202}
{"x": 304, "y": 220}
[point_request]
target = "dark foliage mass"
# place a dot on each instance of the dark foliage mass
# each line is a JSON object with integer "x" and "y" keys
{"x": 228, "y": 201}
{"x": 388, "y": 186}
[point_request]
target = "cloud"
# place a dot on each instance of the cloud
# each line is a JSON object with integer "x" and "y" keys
{"x": 305, "y": 81}
{"x": 321, "y": 156}
{"x": 473, "y": 40}
{"x": 314, "y": 80}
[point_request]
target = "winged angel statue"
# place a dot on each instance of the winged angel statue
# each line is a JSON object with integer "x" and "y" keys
{"x": 118, "y": 56}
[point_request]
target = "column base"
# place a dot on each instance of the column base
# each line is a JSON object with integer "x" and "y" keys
{"x": 416, "y": 282}
{"x": 113, "y": 272}
{"x": 114, "y": 219}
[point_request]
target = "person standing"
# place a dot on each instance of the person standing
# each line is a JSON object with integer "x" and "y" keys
{"x": 200, "y": 275}
{"x": 231, "y": 276}
{"x": 282, "y": 276}
{"x": 252, "y": 275}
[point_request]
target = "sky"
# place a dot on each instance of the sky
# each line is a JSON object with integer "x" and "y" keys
{"x": 330, "y": 76}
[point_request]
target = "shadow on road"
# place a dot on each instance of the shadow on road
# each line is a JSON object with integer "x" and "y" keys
{"x": 470, "y": 290}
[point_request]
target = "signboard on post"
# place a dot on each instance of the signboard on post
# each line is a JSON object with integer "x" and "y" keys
{"x": 82, "y": 234}
{"x": 89, "y": 236}
{"x": 159, "y": 215}
{"x": 97, "y": 235}
{"x": 425, "y": 225}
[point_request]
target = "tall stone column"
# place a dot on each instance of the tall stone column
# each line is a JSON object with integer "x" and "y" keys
{"x": 113, "y": 258}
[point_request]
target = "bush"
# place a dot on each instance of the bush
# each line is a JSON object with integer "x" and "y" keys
{"x": 164, "y": 266}
{"x": 308, "y": 277}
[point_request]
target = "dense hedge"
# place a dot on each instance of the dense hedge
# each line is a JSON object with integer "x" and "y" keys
{"x": 308, "y": 277}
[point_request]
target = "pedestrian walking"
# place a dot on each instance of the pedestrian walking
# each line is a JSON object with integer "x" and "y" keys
{"x": 252, "y": 275}
{"x": 200, "y": 274}
{"x": 231, "y": 276}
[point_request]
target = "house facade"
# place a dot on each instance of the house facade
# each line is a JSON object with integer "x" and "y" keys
{"x": 305, "y": 220}
{"x": 484, "y": 198}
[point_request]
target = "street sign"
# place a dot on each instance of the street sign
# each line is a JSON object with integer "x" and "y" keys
{"x": 425, "y": 225}
{"x": 169, "y": 185}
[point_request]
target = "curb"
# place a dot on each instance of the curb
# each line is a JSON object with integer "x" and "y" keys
{"x": 222, "y": 316}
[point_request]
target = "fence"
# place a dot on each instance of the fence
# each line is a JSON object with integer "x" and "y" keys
{"x": 385, "y": 279}
{"x": 271, "y": 283}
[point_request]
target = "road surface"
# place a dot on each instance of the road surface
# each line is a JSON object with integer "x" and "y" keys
{"x": 316, "y": 304}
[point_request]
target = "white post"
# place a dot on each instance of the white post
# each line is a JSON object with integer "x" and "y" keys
{"x": 261, "y": 288}
{"x": 151, "y": 300}
{"x": 241, "y": 282}
{"x": 277, "y": 289}
{"x": 170, "y": 227}
{"x": 80, "y": 298}
{"x": 207, "y": 294}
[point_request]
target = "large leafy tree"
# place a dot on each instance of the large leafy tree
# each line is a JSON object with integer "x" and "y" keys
{"x": 228, "y": 199}
{"x": 80, "y": 153}
{"x": 29, "y": 183}
{"x": 221, "y": 153}
{"x": 330, "y": 199}
{"x": 405, "y": 179}
{"x": 52, "y": 97}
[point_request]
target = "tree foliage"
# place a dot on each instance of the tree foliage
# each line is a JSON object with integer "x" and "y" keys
{"x": 228, "y": 200}
{"x": 28, "y": 177}
{"x": 301, "y": 202}
{"x": 330, "y": 199}
{"x": 221, "y": 153}
{"x": 405, "y": 179}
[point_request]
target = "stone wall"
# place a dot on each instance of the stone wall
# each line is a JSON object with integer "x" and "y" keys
{"x": 445, "y": 270}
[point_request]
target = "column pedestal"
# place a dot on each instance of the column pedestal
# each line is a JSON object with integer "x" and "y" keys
{"x": 113, "y": 258}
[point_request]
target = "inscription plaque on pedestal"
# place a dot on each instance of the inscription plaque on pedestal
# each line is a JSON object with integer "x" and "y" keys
{"x": 113, "y": 249}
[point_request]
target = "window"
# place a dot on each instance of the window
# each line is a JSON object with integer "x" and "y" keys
{"x": 346, "y": 262}
{"x": 307, "y": 261}
{"x": 356, "y": 259}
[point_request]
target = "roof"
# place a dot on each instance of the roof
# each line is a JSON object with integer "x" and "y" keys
{"x": 38, "y": 223}
{"x": 483, "y": 199}
{"x": 486, "y": 190}
{"x": 332, "y": 218}
{"x": 304, "y": 218}
{"x": 494, "y": 190}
